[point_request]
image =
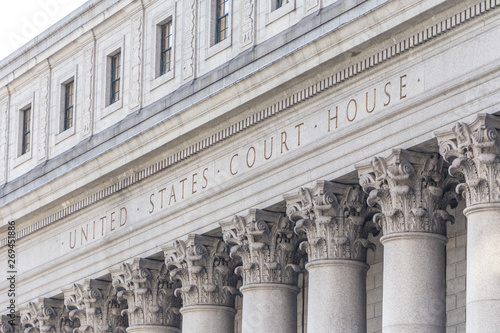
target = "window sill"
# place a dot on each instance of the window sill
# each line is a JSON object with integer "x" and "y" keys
{"x": 23, "y": 158}
{"x": 155, "y": 83}
{"x": 65, "y": 134}
{"x": 220, "y": 46}
{"x": 112, "y": 108}
{"x": 280, "y": 12}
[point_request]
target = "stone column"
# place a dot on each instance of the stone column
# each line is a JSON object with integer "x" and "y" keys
{"x": 267, "y": 245}
{"x": 337, "y": 232}
{"x": 206, "y": 272}
{"x": 151, "y": 304}
{"x": 409, "y": 188}
{"x": 46, "y": 315}
{"x": 96, "y": 307}
{"x": 473, "y": 151}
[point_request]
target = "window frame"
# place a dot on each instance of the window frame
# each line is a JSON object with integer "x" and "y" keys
{"x": 26, "y": 130}
{"x": 219, "y": 18}
{"x": 115, "y": 82}
{"x": 67, "y": 120}
{"x": 275, "y": 12}
{"x": 214, "y": 47}
{"x": 164, "y": 50}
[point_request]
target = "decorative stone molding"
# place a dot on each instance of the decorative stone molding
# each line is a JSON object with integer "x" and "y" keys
{"x": 411, "y": 190}
{"x": 46, "y": 315}
{"x": 88, "y": 101}
{"x": 5, "y": 327}
{"x": 150, "y": 296}
{"x": 44, "y": 114}
{"x": 95, "y": 305}
{"x": 332, "y": 80}
{"x": 473, "y": 151}
{"x": 335, "y": 219}
{"x": 4, "y": 109}
{"x": 267, "y": 246}
{"x": 188, "y": 44}
{"x": 135, "y": 84}
{"x": 203, "y": 265}
{"x": 247, "y": 23}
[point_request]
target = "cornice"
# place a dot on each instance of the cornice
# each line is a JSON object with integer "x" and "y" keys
{"x": 332, "y": 80}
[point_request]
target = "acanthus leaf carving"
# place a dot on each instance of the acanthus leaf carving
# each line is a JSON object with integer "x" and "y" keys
{"x": 189, "y": 22}
{"x": 473, "y": 151}
{"x": 205, "y": 270}
{"x": 145, "y": 287}
{"x": 94, "y": 304}
{"x": 266, "y": 244}
{"x": 46, "y": 315}
{"x": 335, "y": 219}
{"x": 411, "y": 190}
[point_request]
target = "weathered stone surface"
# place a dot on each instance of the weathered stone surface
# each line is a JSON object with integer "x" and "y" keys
{"x": 149, "y": 294}
{"x": 335, "y": 219}
{"x": 267, "y": 246}
{"x": 412, "y": 191}
{"x": 203, "y": 267}
{"x": 473, "y": 151}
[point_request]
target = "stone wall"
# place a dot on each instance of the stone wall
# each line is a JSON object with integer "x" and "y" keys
{"x": 456, "y": 272}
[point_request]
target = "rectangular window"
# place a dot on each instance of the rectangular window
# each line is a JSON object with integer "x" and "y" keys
{"x": 26, "y": 132}
{"x": 279, "y": 3}
{"x": 166, "y": 47}
{"x": 115, "y": 78}
{"x": 222, "y": 17}
{"x": 68, "y": 105}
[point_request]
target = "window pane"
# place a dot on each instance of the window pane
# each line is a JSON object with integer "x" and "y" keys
{"x": 68, "y": 107}
{"x": 115, "y": 78}
{"x": 25, "y": 145}
{"x": 222, "y": 13}
{"x": 166, "y": 47}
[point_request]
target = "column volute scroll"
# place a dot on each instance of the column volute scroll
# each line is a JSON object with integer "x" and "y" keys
{"x": 46, "y": 315}
{"x": 148, "y": 292}
{"x": 412, "y": 191}
{"x": 267, "y": 246}
{"x": 205, "y": 270}
{"x": 5, "y": 326}
{"x": 335, "y": 219}
{"x": 474, "y": 153}
{"x": 95, "y": 305}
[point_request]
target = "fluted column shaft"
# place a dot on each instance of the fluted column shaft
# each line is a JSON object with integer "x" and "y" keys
{"x": 411, "y": 190}
{"x": 474, "y": 153}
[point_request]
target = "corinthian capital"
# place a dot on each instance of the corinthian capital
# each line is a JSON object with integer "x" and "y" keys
{"x": 95, "y": 305}
{"x": 205, "y": 270}
{"x": 335, "y": 219}
{"x": 144, "y": 284}
{"x": 411, "y": 190}
{"x": 46, "y": 315}
{"x": 267, "y": 246}
{"x": 473, "y": 151}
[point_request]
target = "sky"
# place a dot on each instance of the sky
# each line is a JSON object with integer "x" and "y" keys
{"x": 22, "y": 20}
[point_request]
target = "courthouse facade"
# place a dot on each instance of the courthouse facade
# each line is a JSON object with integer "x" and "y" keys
{"x": 253, "y": 166}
